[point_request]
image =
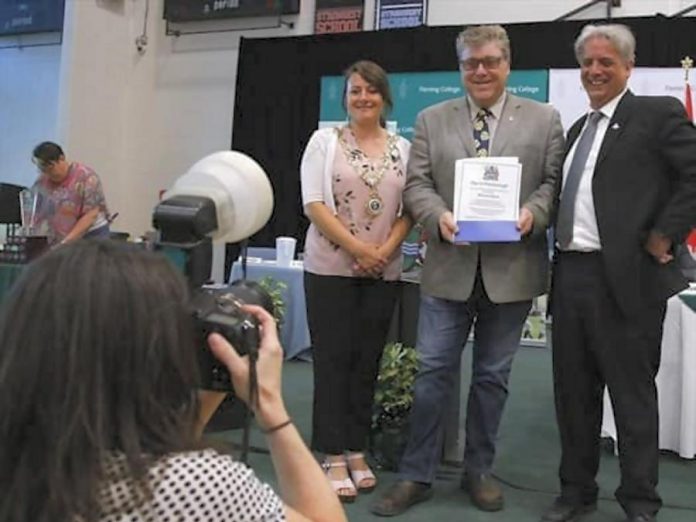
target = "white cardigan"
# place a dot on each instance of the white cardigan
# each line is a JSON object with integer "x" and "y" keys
{"x": 316, "y": 169}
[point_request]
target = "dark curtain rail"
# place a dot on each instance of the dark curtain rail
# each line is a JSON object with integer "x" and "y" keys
{"x": 610, "y": 4}
{"x": 278, "y": 81}
{"x": 684, "y": 11}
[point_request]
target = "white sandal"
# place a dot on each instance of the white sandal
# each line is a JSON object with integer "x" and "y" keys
{"x": 360, "y": 475}
{"x": 342, "y": 484}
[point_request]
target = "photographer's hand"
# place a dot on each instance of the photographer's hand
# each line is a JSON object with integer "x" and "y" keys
{"x": 271, "y": 409}
{"x": 304, "y": 487}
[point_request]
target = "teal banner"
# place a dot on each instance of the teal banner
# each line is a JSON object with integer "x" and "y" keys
{"x": 413, "y": 92}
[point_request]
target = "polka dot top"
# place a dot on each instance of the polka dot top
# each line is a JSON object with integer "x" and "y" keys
{"x": 202, "y": 486}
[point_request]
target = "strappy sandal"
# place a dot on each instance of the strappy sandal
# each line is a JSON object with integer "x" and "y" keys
{"x": 360, "y": 476}
{"x": 342, "y": 484}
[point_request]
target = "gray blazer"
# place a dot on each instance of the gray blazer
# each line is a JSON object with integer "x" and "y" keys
{"x": 511, "y": 272}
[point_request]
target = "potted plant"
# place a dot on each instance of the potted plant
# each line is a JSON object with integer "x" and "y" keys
{"x": 392, "y": 404}
{"x": 275, "y": 290}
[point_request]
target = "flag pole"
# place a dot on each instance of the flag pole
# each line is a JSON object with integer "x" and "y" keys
{"x": 687, "y": 63}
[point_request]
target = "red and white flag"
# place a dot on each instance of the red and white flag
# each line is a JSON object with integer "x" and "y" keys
{"x": 688, "y": 102}
{"x": 691, "y": 243}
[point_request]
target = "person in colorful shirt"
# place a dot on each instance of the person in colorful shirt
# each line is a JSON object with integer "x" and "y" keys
{"x": 71, "y": 201}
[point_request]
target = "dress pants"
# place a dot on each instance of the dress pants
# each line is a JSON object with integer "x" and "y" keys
{"x": 348, "y": 320}
{"x": 595, "y": 345}
{"x": 443, "y": 328}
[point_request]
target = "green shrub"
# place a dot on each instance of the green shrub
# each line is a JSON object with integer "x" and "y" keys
{"x": 394, "y": 389}
{"x": 276, "y": 290}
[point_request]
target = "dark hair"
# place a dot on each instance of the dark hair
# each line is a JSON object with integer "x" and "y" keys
{"x": 47, "y": 152}
{"x": 97, "y": 360}
{"x": 375, "y": 76}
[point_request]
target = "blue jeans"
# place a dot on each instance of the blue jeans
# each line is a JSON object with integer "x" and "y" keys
{"x": 443, "y": 328}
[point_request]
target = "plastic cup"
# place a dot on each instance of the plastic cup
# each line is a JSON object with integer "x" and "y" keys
{"x": 285, "y": 250}
{"x": 27, "y": 204}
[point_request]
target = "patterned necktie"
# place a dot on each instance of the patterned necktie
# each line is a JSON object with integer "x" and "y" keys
{"x": 482, "y": 136}
{"x": 566, "y": 209}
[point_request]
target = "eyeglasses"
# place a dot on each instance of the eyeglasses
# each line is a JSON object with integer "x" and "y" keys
{"x": 42, "y": 166}
{"x": 489, "y": 63}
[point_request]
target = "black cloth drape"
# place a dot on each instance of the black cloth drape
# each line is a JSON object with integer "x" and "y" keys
{"x": 278, "y": 82}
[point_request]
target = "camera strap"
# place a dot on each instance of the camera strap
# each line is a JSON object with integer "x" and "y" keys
{"x": 253, "y": 404}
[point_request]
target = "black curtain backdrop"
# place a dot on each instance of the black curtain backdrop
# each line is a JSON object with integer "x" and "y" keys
{"x": 278, "y": 83}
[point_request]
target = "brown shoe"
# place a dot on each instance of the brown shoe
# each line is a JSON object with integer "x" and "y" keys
{"x": 484, "y": 491}
{"x": 400, "y": 496}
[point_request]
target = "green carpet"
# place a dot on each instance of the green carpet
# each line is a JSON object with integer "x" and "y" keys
{"x": 528, "y": 452}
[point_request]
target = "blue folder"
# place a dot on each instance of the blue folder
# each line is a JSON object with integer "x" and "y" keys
{"x": 487, "y": 232}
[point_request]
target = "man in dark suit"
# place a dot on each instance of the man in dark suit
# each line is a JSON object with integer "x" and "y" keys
{"x": 628, "y": 196}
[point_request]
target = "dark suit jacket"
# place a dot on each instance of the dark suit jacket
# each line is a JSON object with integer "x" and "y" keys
{"x": 644, "y": 179}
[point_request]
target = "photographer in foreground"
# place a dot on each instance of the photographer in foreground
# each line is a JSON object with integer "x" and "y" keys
{"x": 98, "y": 403}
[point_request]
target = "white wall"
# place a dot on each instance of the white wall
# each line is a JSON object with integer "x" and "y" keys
{"x": 159, "y": 112}
{"x": 449, "y": 12}
{"x": 142, "y": 120}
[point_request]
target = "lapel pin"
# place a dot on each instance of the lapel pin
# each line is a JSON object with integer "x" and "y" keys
{"x": 616, "y": 126}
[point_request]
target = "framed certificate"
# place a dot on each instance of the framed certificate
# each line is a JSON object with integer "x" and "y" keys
{"x": 487, "y": 199}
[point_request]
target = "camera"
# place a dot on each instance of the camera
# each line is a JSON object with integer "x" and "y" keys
{"x": 218, "y": 309}
{"x": 225, "y": 197}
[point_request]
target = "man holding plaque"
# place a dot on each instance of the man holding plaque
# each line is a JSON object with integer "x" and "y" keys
{"x": 491, "y": 283}
{"x": 628, "y": 196}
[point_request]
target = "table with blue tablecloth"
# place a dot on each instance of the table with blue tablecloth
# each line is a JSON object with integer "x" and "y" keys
{"x": 294, "y": 332}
